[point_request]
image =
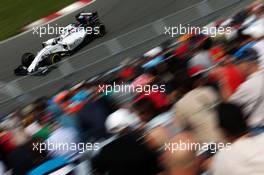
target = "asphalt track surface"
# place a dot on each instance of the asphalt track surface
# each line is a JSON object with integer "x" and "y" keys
{"x": 119, "y": 16}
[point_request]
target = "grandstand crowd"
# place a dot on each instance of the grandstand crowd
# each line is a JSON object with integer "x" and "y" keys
{"x": 214, "y": 96}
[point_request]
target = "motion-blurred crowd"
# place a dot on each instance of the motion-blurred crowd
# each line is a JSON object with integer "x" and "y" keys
{"x": 214, "y": 96}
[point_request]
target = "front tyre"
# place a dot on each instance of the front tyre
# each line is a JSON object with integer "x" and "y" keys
{"x": 27, "y": 59}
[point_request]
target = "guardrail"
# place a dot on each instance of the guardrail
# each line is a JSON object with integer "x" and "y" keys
{"x": 74, "y": 69}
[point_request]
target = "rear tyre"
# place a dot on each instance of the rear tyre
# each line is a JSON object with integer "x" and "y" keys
{"x": 102, "y": 30}
{"x": 27, "y": 59}
{"x": 53, "y": 58}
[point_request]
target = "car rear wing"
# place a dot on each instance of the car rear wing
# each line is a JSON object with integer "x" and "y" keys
{"x": 86, "y": 14}
{"x": 95, "y": 13}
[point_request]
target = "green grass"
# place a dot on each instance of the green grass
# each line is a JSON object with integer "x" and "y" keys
{"x": 15, "y": 14}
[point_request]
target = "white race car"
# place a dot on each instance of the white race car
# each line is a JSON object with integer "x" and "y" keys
{"x": 88, "y": 27}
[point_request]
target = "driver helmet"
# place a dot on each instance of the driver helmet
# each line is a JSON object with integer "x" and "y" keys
{"x": 80, "y": 18}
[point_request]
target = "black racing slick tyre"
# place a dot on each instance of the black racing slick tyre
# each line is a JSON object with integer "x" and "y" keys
{"x": 27, "y": 59}
{"x": 53, "y": 58}
{"x": 102, "y": 30}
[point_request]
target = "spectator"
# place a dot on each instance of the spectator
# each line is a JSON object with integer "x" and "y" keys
{"x": 259, "y": 49}
{"x": 159, "y": 130}
{"x": 245, "y": 154}
{"x": 24, "y": 158}
{"x": 128, "y": 152}
{"x": 195, "y": 110}
{"x": 44, "y": 131}
{"x": 203, "y": 56}
{"x": 6, "y": 147}
{"x": 146, "y": 109}
{"x": 158, "y": 126}
{"x": 2, "y": 167}
{"x": 181, "y": 161}
{"x": 62, "y": 136}
{"x": 92, "y": 118}
{"x": 250, "y": 95}
{"x": 121, "y": 97}
{"x": 229, "y": 77}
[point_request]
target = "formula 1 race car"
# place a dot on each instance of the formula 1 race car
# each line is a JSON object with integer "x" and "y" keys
{"x": 87, "y": 27}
